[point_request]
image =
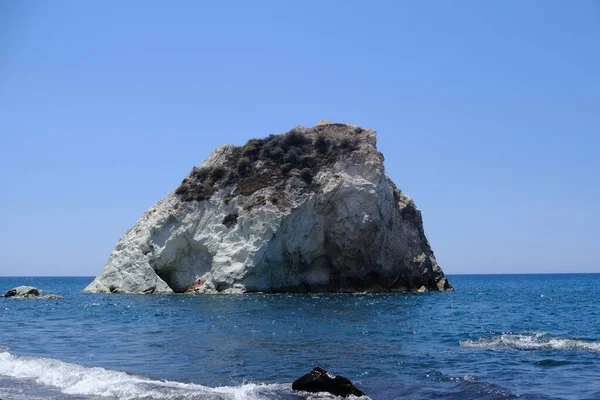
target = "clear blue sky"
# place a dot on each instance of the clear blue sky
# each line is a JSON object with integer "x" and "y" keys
{"x": 488, "y": 114}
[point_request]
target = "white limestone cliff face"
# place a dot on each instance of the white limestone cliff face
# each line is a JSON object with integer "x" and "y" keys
{"x": 344, "y": 228}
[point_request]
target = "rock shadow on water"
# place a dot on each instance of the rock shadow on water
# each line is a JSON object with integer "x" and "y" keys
{"x": 463, "y": 387}
{"x": 550, "y": 363}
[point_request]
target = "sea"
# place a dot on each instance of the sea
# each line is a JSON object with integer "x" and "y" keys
{"x": 493, "y": 337}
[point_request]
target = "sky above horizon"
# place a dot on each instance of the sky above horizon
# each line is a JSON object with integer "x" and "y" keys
{"x": 488, "y": 114}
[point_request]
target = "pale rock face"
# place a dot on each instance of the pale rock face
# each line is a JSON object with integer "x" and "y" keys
{"x": 349, "y": 230}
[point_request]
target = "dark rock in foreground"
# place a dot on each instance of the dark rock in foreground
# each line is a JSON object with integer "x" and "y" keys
{"x": 319, "y": 380}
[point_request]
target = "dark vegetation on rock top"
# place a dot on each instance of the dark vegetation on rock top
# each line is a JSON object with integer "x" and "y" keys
{"x": 261, "y": 163}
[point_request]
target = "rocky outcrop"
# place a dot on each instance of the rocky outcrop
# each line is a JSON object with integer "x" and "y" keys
{"x": 319, "y": 380}
{"x": 311, "y": 210}
{"x": 28, "y": 292}
{"x": 23, "y": 291}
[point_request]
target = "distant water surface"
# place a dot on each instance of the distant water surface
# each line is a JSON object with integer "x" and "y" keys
{"x": 495, "y": 337}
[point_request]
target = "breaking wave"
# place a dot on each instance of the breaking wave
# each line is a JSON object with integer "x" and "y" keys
{"x": 79, "y": 380}
{"x": 531, "y": 341}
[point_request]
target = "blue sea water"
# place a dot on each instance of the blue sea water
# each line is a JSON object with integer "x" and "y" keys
{"x": 494, "y": 337}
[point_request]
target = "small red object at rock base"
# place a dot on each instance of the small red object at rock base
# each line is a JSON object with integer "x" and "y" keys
{"x": 195, "y": 286}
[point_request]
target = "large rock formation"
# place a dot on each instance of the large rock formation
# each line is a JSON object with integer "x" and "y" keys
{"x": 310, "y": 210}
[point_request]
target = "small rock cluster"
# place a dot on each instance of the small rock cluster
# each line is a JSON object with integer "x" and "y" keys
{"x": 29, "y": 292}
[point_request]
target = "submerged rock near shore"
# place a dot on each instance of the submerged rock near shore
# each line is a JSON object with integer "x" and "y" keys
{"x": 319, "y": 380}
{"x": 310, "y": 210}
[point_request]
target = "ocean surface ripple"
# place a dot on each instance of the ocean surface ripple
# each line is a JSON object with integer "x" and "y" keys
{"x": 495, "y": 337}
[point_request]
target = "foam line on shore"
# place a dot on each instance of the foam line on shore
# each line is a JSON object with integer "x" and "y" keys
{"x": 75, "y": 379}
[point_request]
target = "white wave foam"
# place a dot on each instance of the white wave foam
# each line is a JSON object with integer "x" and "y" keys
{"x": 76, "y": 379}
{"x": 532, "y": 341}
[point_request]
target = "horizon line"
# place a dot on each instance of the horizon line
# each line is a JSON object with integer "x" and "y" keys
{"x": 446, "y": 274}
